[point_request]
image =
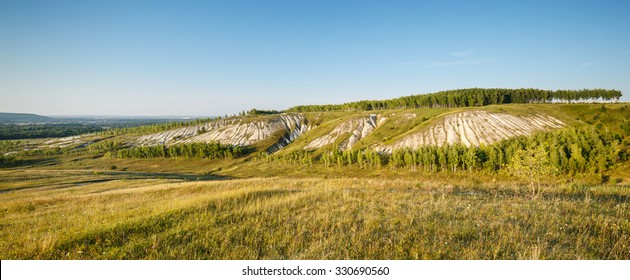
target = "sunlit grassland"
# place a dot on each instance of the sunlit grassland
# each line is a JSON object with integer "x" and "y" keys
{"x": 83, "y": 217}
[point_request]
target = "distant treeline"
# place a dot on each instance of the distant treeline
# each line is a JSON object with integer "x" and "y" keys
{"x": 570, "y": 151}
{"x": 31, "y": 131}
{"x": 467, "y": 98}
{"x": 23, "y": 118}
{"x": 105, "y": 127}
{"x": 116, "y": 149}
{"x": 262, "y": 112}
{"x": 153, "y": 128}
{"x": 213, "y": 150}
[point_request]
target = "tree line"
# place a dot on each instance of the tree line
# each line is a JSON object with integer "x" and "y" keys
{"x": 212, "y": 150}
{"x": 116, "y": 149}
{"x": 467, "y": 98}
{"x": 153, "y": 128}
{"x": 32, "y": 131}
{"x": 79, "y": 126}
{"x": 570, "y": 151}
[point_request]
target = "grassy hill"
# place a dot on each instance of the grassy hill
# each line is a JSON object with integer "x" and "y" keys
{"x": 76, "y": 198}
{"x": 22, "y": 118}
{"x": 403, "y": 122}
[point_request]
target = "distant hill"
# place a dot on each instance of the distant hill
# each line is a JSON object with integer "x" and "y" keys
{"x": 23, "y": 118}
{"x": 387, "y": 130}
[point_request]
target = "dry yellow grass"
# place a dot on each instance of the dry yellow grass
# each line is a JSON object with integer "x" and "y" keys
{"x": 307, "y": 218}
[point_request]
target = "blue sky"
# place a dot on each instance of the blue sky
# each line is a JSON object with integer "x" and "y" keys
{"x": 221, "y": 57}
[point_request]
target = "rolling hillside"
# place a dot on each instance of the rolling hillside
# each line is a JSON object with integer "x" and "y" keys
{"x": 500, "y": 181}
{"x": 577, "y": 139}
{"x": 23, "y": 118}
{"x": 468, "y": 117}
{"x": 387, "y": 130}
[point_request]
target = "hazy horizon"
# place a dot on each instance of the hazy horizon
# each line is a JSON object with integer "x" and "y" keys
{"x": 200, "y": 58}
{"x": 117, "y": 116}
{"x": 232, "y": 114}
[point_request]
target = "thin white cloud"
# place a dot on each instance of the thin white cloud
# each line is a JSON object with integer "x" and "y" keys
{"x": 450, "y": 63}
{"x": 465, "y": 53}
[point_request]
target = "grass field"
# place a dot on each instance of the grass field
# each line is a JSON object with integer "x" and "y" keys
{"x": 74, "y": 204}
{"x": 53, "y": 214}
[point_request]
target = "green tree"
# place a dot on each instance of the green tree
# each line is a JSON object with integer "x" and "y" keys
{"x": 470, "y": 158}
{"x": 410, "y": 160}
{"x": 532, "y": 164}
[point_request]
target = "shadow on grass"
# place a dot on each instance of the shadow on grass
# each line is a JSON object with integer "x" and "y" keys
{"x": 40, "y": 162}
{"x": 595, "y": 197}
{"x": 576, "y": 194}
{"x": 106, "y": 176}
{"x": 130, "y": 175}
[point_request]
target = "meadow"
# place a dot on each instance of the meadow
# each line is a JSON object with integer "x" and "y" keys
{"x": 56, "y": 214}
{"x": 104, "y": 196}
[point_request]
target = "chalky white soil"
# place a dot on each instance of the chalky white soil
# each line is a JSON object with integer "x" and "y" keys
{"x": 474, "y": 128}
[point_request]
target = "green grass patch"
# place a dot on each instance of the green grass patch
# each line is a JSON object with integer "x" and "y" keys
{"x": 314, "y": 218}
